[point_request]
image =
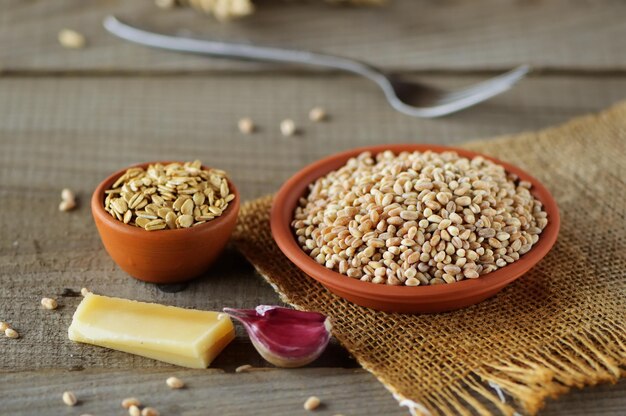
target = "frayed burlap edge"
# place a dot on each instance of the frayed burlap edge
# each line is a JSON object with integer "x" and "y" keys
{"x": 586, "y": 355}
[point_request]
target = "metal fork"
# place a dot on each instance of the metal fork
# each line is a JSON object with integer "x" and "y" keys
{"x": 410, "y": 98}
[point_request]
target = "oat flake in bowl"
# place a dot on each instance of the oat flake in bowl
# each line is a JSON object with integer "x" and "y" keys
{"x": 174, "y": 195}
{"x": 418, "y": 218}
{"x": 170, "y": 255}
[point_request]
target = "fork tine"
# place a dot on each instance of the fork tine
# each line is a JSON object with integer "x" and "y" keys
{"x": 446, "y": 107}
{"x": 507, "y": 80}
{"x": 453, "y": 101}
{"x": 441, "y": 108}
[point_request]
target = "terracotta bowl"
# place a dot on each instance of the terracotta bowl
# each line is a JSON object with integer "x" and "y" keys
{"x": 403, "y": 299}
{"x": 164, "y": 256}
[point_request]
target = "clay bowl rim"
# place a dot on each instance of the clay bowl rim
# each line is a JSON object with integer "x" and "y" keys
{"x": 298, "y": 184}
{"x": 97, "y": 209}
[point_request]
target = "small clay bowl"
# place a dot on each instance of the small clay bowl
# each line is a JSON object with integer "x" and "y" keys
{"x": 163, "y": 256}
{"x": 403, "y": 299}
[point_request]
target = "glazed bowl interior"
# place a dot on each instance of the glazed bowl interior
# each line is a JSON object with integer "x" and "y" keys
{"x": 432, "y": 298}
{"x": 163, "y": 256}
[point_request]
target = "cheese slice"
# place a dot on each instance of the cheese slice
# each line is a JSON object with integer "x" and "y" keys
{"x": 185, "y": 337}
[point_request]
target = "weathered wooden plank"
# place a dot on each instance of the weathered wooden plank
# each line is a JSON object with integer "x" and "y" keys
{"x": 73, "y": 131}
{"x": 269, "y": 392}
{"x": 57, "y": 132}
{"x": 406, "y": 35}
{"x": 278, "y": 392}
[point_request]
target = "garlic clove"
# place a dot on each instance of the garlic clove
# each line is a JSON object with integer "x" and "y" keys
{"x": 285, "y": 337}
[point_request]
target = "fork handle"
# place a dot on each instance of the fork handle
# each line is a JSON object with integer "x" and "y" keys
{"x": 236, "y": 50}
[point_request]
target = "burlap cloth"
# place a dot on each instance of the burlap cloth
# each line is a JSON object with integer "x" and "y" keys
{"x": 561, "y": 325}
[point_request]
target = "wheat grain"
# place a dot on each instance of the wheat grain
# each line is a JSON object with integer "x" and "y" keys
{"x": 417, "y": 218}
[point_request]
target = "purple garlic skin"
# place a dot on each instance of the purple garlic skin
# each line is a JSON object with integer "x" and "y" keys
{"x": 285, "y": 337}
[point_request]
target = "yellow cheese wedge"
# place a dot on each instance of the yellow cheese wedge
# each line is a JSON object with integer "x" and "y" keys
{"x": 185, "y": 337}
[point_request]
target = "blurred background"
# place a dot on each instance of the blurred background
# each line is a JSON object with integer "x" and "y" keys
{"x": 127, "y": 100}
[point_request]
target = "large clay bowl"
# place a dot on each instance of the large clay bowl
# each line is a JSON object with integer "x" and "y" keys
{"x": 164, "y": 256}
{"x": 420, "y": 299}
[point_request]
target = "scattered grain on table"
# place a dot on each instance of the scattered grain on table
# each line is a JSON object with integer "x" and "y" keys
{"x": 128, "y": 402}
{"x": 243, "y": 368}
{"x": 11, "y": 333}
{"x": 149, "y": 411}
{"x": 288, "y": 127}
{"x": 312, "y": 403}
{"x": 317, "y": 114}
{"x": 174, "y": 383}
{"x": 69, "y": 398}
{"x": 65, "y": 206}
{"x": 67, "y": 194}
{"x": 68, "y": 200}
{"x": 49, "y": 303}
{"x": 71, "y": 39}
{"x": 246, "y": 125}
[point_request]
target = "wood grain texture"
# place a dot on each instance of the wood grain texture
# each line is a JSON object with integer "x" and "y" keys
{"x": 349, "y": 392}
{"x": 68, "y": 118}
{"x": 68, "y": 131}
{"x": 406, "y": 35}
{"x": 74, "y": 131}
{"x": 275, "y": 392}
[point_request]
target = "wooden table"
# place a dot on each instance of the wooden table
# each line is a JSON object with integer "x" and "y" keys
{"x": 70, "y": 117}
